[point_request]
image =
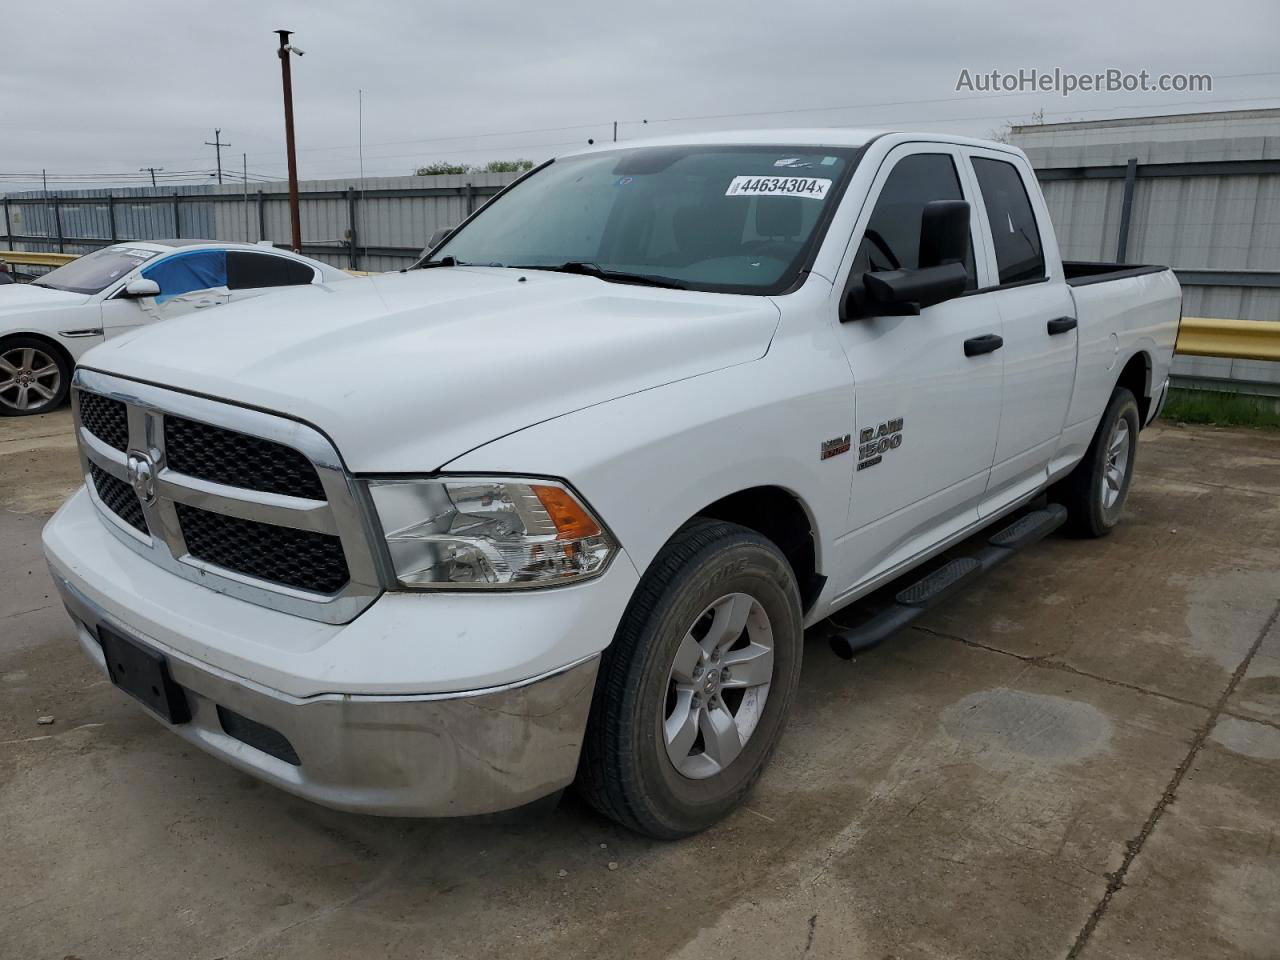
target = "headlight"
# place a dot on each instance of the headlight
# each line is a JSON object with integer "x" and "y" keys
{"x": 466, "y": 532}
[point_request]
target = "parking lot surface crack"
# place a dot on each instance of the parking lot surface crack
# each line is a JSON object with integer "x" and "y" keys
{"x": 1048, "y": 662}
{"x": 1134, "y": 846}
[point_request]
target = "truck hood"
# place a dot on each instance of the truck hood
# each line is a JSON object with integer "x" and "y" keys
{"x": 406, "y": 372}
{"x": 27, "y": 297}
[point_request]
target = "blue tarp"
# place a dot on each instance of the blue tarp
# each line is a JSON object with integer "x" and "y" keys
{"x": 185, "y": 272}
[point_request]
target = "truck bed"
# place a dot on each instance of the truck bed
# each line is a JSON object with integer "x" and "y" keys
{"x": 1080, "y": 273}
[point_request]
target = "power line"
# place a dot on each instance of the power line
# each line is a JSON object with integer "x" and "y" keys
{"x": 755, "y": 113}
{"x": 158, "y": 174}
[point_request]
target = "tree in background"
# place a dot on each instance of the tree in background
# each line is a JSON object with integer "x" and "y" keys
{"x": 493, "y": 166}
{"x": 438, "y": 169}
{"x": 1002, "y": 134}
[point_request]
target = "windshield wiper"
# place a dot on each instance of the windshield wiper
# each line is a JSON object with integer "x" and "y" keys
{"x": 586, "y": 269}
{"x": 444, "y": 262}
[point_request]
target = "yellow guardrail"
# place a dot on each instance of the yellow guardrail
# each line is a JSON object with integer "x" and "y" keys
{"x": 27, "y": 258}
{"x": 1235, "y": 339}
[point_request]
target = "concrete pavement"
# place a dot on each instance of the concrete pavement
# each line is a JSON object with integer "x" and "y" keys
{"x": 1080, "y": 757}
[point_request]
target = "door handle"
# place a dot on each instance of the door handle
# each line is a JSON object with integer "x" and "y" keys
{"x": 986, "y": 343}
{"x": 1061, "y": 325}
{"x": 201, "y": 304}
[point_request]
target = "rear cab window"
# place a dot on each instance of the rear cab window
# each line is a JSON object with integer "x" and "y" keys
{"x": 1014, "y": 232}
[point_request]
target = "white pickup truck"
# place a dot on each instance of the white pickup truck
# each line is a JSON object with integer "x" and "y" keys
{"x": 559, "y": 503}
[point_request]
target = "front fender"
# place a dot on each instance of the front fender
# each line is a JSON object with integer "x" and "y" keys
{"x": 650, "y": 461}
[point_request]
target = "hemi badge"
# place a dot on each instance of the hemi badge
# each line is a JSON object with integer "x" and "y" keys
{"x": 835, "y": 447}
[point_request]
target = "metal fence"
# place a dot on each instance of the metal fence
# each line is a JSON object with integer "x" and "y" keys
{"x": 375, "y": 224}
{"x": 1200, "y": 194}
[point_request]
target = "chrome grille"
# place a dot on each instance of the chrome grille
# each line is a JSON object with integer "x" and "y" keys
{"x": 118, "y": 497}
{"x": 106, "y": 419}
{"x": 225, "y": 456}
{"x": 251, "y": 504}
{"x": 294, "y": 558}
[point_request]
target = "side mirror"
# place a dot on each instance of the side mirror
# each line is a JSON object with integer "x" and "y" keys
{"x": 907, "y": 292}
{"x": 942, "y": 273}
{"x": 141, "y": 287}
{"x": 944, "y": 233}
{"x": 437, "y": 238}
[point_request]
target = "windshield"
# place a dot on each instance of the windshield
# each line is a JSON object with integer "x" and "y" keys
{"x": 95, "y": 271}
{"x": 723, "y": 218}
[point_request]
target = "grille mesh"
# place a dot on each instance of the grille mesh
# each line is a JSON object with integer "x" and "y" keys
{"x": 119, "y": 497}
{"x": 106, "y": 419}
{"x": 257, "y": 735}
{"x": 225, "y": 456}
{"x": 295, "y": 558}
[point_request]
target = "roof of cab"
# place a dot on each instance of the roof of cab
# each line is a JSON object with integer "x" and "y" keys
{"x": 789, "y": 138}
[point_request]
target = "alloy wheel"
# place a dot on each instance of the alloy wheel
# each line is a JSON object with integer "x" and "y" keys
{"x": 1117, "y": 463}
{"x": 29, "y": 379}
{"x": 717, "y": 687}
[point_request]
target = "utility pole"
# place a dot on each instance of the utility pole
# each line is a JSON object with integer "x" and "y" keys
{"x": 217, "y": 146}
{"x": 153, "y": 172}
{"x": 615, "y": 131}
{"x": 295, "y": 220}
{"x": 244, "y": 159}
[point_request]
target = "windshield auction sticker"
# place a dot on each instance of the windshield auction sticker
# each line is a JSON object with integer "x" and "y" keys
{"x": 814, "y": 188}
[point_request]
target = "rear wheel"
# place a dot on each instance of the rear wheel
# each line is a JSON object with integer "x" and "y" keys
{"x": 34, "y": 377}
{"x": 693, "y": 693}
{"x": 1094, "y": 493}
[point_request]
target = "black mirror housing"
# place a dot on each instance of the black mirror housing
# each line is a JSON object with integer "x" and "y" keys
{"x": 942, "y": 273}
{"x": 907, "y": 292}
{"x": 944, "y": 233}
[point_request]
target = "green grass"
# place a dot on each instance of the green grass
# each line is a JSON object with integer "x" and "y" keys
{"x": 1223, "y": 409}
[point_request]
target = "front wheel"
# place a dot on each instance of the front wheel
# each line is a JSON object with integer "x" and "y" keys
{"x": 34, "y": 377}
{"x": 1095, "y": 491}
{"x": 693, "y": 693}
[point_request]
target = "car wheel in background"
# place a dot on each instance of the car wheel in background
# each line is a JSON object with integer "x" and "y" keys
{"x": 34, "y": 377}
{"x": 693, "y": 693}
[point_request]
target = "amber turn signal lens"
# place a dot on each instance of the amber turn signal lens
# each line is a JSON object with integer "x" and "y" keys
{"x": 572, "y": 522}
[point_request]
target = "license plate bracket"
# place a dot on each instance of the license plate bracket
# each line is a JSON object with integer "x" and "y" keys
{"x": 143, "y": 674}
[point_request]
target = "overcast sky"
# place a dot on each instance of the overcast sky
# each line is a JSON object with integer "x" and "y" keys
{"x": 107, "y": 88}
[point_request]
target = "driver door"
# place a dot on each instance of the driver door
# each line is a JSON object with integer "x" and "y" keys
{"x": 189, "y": 281}
{"x": 927, "y": 408}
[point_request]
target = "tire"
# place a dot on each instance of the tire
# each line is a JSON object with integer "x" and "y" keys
{"x": 1094, "y": 492}
{"x": 708, "y": 579}
{"x": 34, "y": 376}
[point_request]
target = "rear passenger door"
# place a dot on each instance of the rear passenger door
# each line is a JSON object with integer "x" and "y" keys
{"x": 1037, "y": 313}
{"x": 926, "y": 409}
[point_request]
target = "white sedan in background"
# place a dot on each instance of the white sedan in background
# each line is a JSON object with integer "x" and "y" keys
{"x": 46, "y": 325}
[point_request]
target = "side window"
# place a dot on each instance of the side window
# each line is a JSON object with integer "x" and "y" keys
{"x": 892, "y": 238}
{"x": 250, "y": 271}
{"x": 187, "y": 272}
{"x": 1013, "y": 223}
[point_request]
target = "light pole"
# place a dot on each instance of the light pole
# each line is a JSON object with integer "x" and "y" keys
{"x": 295, "y": 220}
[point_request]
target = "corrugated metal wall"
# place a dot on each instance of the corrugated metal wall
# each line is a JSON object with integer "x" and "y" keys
{"x": 390, "y": 230}
{"x": 1227, "y": 222}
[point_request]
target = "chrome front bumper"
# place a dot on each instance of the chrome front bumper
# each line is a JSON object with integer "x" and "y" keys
{"x": 435, "y": 755}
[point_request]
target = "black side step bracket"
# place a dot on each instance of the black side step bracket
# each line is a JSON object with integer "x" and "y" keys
{"x": 914, "y": 599}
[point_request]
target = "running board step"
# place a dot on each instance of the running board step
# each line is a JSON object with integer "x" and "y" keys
{"x": 913, "y": 600}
